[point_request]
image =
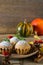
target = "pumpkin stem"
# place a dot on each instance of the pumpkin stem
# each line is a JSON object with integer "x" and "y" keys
{"x": 35, "y": 32}
{"x": 25, "y": 21}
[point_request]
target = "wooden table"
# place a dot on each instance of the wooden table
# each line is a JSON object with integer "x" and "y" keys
{"x": 26, "y": 61}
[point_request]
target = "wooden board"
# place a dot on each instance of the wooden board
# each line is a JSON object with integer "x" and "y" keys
{"x": 31, "y": 38}
{"x": 2, "y": 36}
{"x": 14, "y": 56}
{"x": 23, "y": 56}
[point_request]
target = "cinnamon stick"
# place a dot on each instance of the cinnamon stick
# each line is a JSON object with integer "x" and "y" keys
{"x": 38, "y": 59}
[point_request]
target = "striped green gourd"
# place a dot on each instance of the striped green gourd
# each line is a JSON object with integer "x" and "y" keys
{"x": 24, "y": 29}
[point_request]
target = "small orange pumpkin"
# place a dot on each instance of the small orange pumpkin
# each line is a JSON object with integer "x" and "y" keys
{"x": 38, "y": 25}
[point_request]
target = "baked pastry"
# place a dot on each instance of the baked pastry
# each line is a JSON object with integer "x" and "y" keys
{"x": 22, "y": 47}
{"x": 14, "y": 40}
{"x": 5, "y": 45}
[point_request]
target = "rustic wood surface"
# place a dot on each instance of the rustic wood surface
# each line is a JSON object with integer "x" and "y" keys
{"x": 14, "y": 11}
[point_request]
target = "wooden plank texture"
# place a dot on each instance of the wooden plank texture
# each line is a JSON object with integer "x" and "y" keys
{"x": 14, "y": 11}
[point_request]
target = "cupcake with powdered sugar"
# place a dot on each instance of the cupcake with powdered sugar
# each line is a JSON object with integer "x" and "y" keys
{"x": 22, "y": 47}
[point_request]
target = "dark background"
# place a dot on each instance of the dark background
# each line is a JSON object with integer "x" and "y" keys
{"x": 14, "y": 11}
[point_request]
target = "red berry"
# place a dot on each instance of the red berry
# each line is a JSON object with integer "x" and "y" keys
{"x": 40, "y": 41}
{"x": 35, "y": 41}
{"x": 5, "y": 53}
{"x": 10, "y": 36}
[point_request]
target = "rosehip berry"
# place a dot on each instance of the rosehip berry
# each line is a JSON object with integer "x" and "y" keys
{"x": 40, "y": 41}
{"x": 10, "y": 36}
{"x": 5, "y": 53}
